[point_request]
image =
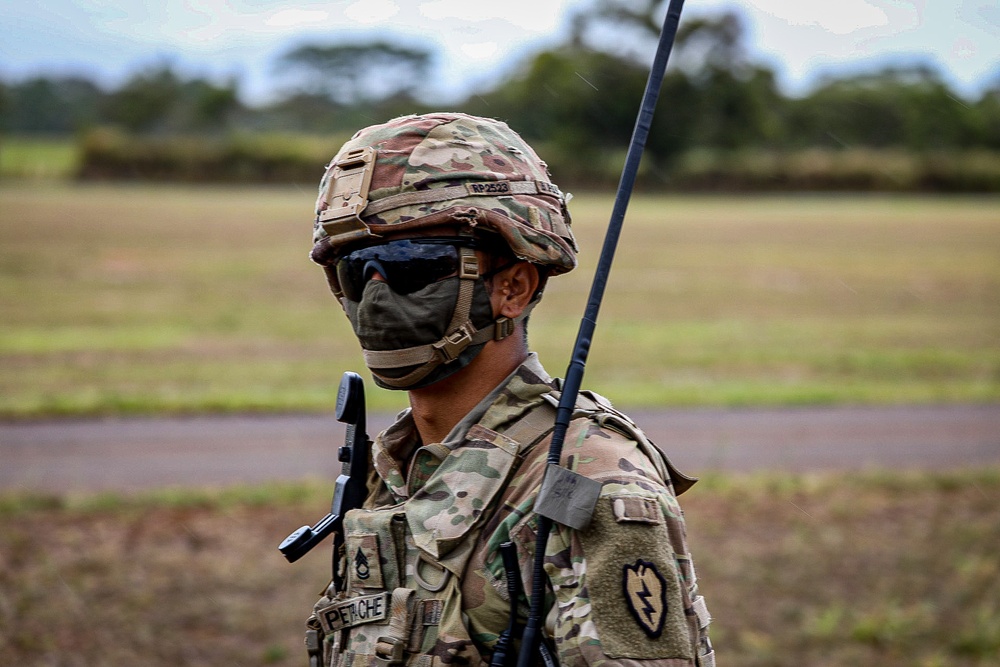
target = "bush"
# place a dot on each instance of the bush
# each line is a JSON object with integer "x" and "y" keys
{"x": 818, "y": 169}
{"x": 108, "y": 154}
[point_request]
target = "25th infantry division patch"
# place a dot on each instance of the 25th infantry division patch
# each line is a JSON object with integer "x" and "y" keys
{"x": 646, "y": 596}
{"x": 630, "y": 562}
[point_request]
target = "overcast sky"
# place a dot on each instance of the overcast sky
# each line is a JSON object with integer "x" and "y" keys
{"x": 801, "y": 39}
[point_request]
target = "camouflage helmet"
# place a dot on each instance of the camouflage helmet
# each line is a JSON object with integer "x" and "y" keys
{"x": 443, "y": 168}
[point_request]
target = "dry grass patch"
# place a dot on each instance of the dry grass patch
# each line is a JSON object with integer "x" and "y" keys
{"x": 875, "y": 569}
{"x": 142, "y": 299}
{"x": 820, "y": 570}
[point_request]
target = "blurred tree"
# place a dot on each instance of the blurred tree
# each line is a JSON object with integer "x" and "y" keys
{"x": 158, "y": 99}
{"x": 897, "y": 107}
{"x": 713, "y": 44}
{"x": 53, "y": 106}
{"x": 736, "y": 102}
{"x": 357, "y": 73}
{"x": 310, "y": 112}
{"x": 146, "y": 100}
{"x": 626, "y": 28}
{"x": 631, "y": 29}
{"x": 987, "y": 111}
{"x": 574, "y": 97}
{"x": 585, "y": 95}
{"x": 211, "y": 106}
{"x": 576, "y": 103}
{"x": 4, "y": 107}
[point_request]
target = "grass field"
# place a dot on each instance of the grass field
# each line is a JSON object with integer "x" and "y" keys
{"x": 40, "y": 158}
{"x": 118, "y": 299}
{"x": 140, "y": 299}
{"x": 825, "y": 571}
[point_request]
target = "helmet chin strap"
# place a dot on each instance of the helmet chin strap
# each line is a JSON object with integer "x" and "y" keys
{"x": 460, "y": 334}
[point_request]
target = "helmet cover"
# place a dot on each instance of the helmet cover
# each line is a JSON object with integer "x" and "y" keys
{"x": 443, "y": 168}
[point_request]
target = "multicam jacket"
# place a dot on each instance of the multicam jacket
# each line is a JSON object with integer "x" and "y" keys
{"x": 425, "y": 581}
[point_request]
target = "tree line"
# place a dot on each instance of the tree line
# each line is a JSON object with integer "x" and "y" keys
{"x": 577, "y": 101}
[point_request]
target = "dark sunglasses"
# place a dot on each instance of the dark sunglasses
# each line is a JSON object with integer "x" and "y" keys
{"x": 407, "y": 265}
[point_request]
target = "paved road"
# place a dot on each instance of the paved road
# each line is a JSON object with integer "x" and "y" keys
{"x": 132, "y": 454}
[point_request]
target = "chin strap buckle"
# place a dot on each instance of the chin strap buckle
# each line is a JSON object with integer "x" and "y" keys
{"x": 455, "y": 343}
{"x": 504, "y": 326}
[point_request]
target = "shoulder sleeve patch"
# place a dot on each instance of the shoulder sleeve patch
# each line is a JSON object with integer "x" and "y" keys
{"x": 633, "y": 581}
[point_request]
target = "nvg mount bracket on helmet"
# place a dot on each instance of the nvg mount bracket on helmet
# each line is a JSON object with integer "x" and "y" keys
{"x": 347, "y": 195}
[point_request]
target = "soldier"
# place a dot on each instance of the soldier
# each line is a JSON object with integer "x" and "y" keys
{"x": 437, "y": 233}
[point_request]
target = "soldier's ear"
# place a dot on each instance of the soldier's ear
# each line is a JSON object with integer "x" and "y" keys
{"x": 513, "y": 289}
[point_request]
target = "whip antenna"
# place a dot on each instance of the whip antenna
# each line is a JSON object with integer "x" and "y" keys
{"x": 574, "y": 374}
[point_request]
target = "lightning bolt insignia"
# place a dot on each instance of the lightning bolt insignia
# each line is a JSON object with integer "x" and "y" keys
{"x": 645, "y": 593}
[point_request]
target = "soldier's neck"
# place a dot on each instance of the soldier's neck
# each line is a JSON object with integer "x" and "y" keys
{"x": 437, "y": 408}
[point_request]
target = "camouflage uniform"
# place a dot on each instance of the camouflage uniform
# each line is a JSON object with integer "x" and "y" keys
{"x": 425, "y": 584}
{"x": 624, "y": 589}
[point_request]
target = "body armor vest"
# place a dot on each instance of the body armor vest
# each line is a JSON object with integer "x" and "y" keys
{"x": 403, "y": 564}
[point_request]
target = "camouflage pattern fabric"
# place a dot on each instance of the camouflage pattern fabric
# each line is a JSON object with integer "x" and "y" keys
{"x": 623, "y": 589}
{"x": 433, "y": 152}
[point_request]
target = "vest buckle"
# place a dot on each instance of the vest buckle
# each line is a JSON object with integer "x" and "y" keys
{"x": 389, "y": 651}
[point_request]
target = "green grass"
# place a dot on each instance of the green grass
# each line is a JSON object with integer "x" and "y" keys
{"x": 879, "y": 568}
{"x": 38, "y": 158}
{"x": 141, "y": 299}
{"x": 217, "y": 499}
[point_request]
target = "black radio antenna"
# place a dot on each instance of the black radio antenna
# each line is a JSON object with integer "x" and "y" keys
{"x": 574, "y": 374}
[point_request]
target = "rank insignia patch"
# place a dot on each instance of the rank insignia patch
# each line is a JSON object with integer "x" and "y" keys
{"x": 361, "y": 565}
{"x": 646, "y": 596}
{"x": 364, "y": 562}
